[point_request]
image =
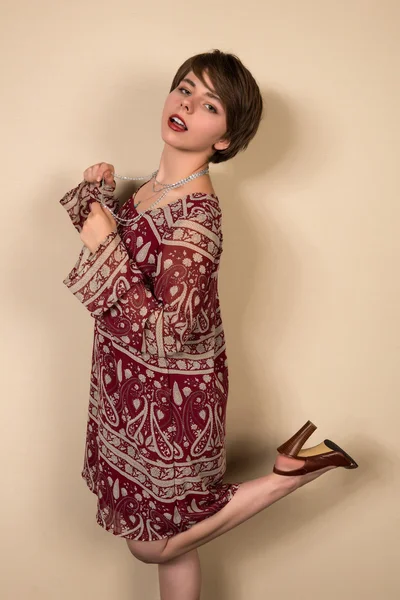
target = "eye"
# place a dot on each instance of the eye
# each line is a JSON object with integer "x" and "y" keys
{"x": 182, "y": 89}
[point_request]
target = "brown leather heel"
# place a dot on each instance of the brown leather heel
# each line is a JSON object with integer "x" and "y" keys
{"x": 314, "y": 460}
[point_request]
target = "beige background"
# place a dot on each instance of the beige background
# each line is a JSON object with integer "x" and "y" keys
{"x": 309, "y": 284}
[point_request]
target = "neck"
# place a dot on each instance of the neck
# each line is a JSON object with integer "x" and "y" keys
{"x": 177, "y": 164}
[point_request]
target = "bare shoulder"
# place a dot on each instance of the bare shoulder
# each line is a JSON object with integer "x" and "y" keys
{"x": 192, "y": 188}
{"x": 205, "y": 187}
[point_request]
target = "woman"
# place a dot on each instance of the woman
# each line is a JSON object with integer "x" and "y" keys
{"x": 155, "y": 449}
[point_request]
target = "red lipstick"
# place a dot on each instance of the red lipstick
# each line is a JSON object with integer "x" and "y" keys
{"x": 176, "y": 126}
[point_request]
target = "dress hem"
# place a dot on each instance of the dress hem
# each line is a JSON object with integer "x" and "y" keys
{"x": 229, "y": 496}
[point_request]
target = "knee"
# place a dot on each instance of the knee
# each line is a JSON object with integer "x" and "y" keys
{"x": 150, "y": 553}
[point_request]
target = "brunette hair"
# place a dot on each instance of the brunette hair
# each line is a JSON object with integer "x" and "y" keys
{"x": 239, "y": 93}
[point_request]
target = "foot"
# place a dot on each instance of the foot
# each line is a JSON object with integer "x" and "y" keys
{"x": 284, "y": 463}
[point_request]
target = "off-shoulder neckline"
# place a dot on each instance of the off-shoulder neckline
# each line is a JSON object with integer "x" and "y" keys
{"x": 186, "y": 197}
{"x": 213, "y": 196}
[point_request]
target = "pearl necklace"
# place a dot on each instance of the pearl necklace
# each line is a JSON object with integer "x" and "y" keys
{"x": 168, "y": 187}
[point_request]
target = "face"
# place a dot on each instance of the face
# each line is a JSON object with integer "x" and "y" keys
{"x": 203, "y": 115}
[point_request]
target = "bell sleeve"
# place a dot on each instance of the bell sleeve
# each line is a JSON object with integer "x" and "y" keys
{"x": 78, "y": 200}
{"x": 157, "y": 314}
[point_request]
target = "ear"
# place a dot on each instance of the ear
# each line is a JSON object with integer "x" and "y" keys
{"x": 221, "y": 145}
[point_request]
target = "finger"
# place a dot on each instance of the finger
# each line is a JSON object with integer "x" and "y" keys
{"x": 107, "y": 171}
{"x": 88, "y": 174}
{"x": 95, "y": 207}
{"x": 97, "y": 172}
{"x": 100, "y": 171}
{"x": 109, "y": 177}
{"x": 103, "y": 167}
{"x": 92, "y": 172}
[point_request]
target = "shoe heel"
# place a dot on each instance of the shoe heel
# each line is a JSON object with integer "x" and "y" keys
{"x": 294, "y": 444}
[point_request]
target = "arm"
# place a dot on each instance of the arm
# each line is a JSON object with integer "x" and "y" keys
{"x": 158, "y": 318}
{"x": 77, "y": 201}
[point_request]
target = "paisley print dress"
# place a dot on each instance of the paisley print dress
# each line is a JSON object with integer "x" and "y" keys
{"x": 155, "y": 440}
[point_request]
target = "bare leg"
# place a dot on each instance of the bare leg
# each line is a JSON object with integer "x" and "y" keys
{"x": 180, "y": 578}
{"x": 251, "y": 498}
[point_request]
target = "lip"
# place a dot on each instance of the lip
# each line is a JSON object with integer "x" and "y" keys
{"x": 179, "y": 117}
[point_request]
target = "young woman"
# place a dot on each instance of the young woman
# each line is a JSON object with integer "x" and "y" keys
{"x": 148, "y": 275}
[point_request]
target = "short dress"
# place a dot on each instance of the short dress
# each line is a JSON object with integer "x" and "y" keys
{"x": 155, "y": 439}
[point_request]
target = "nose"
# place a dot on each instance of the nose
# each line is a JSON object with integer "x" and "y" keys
{"x": 186, "y": 104}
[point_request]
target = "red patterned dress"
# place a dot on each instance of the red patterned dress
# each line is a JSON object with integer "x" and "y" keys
{"x": 155, "y": 445}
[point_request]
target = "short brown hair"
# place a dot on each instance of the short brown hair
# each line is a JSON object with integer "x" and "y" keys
{"x": 239, "y": 93}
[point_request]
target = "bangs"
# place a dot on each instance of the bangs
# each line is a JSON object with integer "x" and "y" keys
{"x": 239, "y": 93}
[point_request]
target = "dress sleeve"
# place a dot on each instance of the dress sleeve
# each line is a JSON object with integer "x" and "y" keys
{"x": 155, "y": 316}
{"x": 78, "y": 200}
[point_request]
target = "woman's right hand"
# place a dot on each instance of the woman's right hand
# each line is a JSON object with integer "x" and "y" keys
{"x": 96, "y": 173}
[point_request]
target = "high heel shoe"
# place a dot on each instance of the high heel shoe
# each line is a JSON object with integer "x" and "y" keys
{"x": 326, "y": 454}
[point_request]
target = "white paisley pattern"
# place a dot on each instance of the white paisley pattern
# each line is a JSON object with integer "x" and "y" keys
{"x": 155, "y": 446}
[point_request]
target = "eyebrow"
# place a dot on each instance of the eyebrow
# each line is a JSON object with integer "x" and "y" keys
{"x": 210, "y": 94}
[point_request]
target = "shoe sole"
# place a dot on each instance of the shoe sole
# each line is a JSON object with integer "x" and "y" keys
{"x": 333, "y": 446}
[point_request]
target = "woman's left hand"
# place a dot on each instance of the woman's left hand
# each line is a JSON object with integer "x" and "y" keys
{"x": 99, "y": 224}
